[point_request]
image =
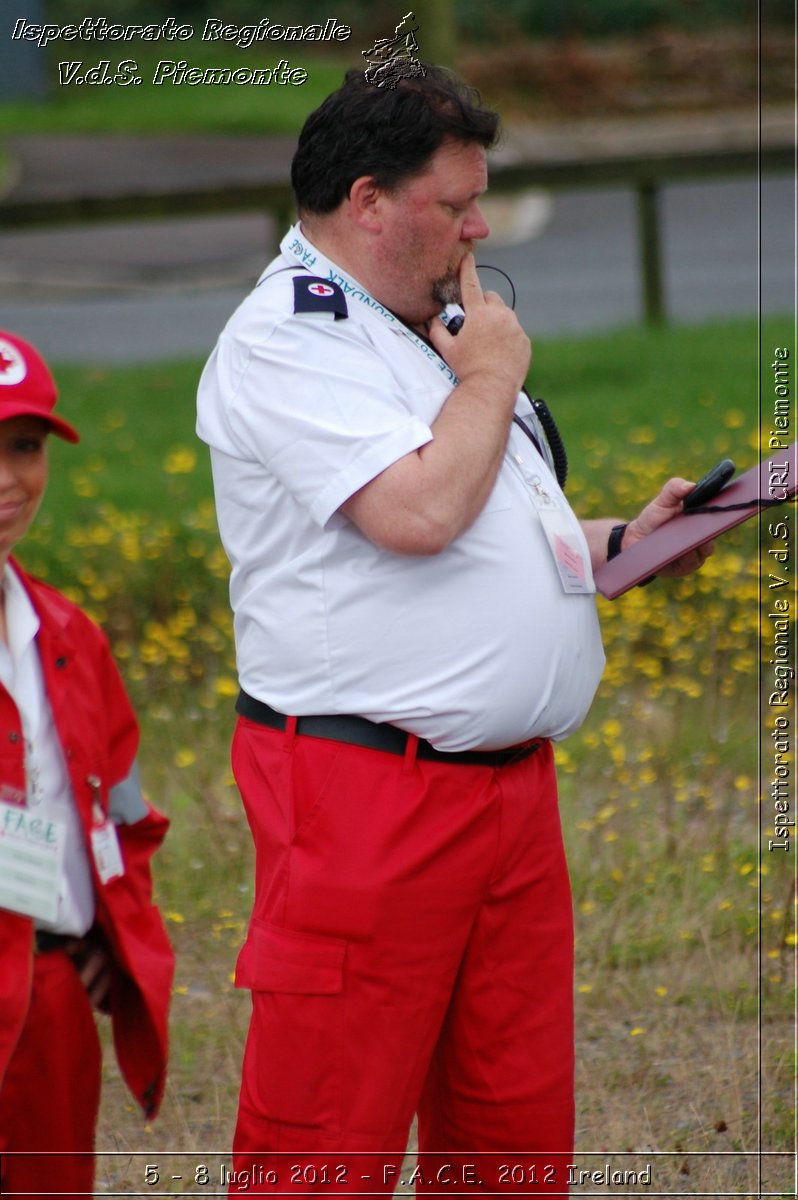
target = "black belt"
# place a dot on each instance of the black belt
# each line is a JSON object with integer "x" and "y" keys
{"x": 46, "y": 941}
{"x": 357, "y": 731}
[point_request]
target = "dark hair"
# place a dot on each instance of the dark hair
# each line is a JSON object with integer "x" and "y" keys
{"x": 389, "y": 133}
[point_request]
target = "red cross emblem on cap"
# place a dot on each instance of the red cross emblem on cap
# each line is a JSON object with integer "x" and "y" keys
{"x": 13, "y": 368}
{"x": 321, "y": 289}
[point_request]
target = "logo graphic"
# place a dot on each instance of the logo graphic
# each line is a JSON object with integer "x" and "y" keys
{"x": 392, "y": 59}
{"x": 13, "y": 368}
{"x": 314, "y": 295}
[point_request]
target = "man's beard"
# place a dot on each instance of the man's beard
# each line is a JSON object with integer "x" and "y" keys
{"x": 446, "y": 290}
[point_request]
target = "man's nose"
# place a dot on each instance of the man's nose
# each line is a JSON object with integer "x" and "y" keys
{"x": 475, "y": 227}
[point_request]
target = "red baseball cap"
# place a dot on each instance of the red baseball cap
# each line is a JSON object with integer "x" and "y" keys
{"x": 26, "y": 386}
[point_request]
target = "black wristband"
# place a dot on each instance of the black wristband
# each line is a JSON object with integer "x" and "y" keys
{"x": 614, "y": 541}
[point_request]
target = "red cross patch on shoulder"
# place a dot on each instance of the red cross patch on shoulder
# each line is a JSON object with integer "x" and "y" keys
{"x": 314, "y": 295}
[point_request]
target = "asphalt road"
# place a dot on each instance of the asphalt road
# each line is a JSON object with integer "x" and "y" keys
{"x": 157, "y": 290}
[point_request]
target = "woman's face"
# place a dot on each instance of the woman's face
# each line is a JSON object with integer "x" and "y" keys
{"x": 23, "y": 477}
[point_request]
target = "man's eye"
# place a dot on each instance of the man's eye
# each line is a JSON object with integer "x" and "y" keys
{"x": 28, "y": 445}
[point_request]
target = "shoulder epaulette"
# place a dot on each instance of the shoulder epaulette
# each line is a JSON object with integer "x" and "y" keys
{"x": 314, "y": 295}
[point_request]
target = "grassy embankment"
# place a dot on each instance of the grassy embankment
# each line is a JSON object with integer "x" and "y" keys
{"x": 675, "y": 910}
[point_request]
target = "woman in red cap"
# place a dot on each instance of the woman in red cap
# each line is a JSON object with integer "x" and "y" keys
{"x": 78, "y": 931}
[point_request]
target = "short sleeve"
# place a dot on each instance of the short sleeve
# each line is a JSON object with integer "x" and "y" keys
{"x": 315, "y": 404}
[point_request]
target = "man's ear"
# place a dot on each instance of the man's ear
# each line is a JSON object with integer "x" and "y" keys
{"x": 366, "y": 203}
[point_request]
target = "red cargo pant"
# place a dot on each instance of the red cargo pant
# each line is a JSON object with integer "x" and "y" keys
{"x": 410, "y": 950}
{"x": 50, "y": 1094}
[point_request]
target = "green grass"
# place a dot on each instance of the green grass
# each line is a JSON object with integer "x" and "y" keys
{"x": 681, "y": 388}
{"x": 689, "y": 393}
{"x": 658, "y": 789}
{"x": 132, "y": 416}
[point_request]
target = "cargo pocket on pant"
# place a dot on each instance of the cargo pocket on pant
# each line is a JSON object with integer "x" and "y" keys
{"x": 293, "y": 1062}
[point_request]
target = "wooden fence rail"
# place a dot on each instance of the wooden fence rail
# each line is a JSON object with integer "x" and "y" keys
{"x": 550, "y": 163}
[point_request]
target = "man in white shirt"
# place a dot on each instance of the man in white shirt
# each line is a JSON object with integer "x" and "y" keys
{"x": 415, "y": 622}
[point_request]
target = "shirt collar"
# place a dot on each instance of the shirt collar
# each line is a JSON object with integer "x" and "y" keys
{"x": 22, "y": 620}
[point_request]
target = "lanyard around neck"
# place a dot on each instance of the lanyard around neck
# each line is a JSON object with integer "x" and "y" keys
{"x": 295, "y": 245}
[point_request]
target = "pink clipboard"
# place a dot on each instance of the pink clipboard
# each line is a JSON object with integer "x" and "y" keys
{"x": 773, "y": 482}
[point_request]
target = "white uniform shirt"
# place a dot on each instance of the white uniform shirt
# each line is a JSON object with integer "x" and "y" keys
{"x": 476, "y": 647}
{"x": 48, "y": 788}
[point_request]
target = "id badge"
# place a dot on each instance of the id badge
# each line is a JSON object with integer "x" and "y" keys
{"x": 106, "y": 851}
{"x": 565, "y": 543}
{"x": 569, "y": 557}
{"x": 31, "y": 862}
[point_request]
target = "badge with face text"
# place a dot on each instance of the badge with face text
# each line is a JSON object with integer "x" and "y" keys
{"x": 31, "y": 862}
